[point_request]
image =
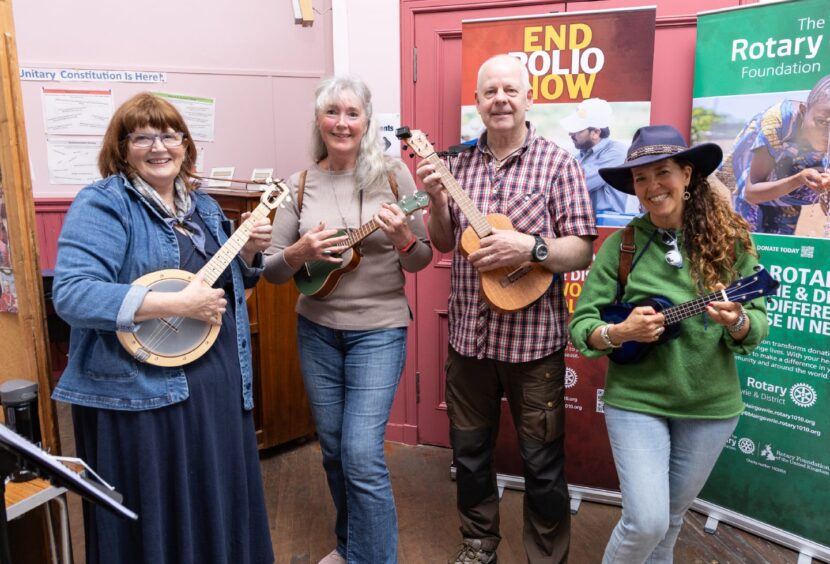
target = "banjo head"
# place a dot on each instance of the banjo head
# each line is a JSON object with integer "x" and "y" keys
{"x": 170, "y": 341}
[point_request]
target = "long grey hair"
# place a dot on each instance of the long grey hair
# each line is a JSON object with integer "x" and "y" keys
{"x": 370, "y": 166}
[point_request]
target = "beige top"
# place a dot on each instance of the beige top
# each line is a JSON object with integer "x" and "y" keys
{"x": 372, "y": 295}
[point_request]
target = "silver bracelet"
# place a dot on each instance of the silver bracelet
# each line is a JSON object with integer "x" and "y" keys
{"x": 739, "y": 324}
{"x": 606, "y": 338}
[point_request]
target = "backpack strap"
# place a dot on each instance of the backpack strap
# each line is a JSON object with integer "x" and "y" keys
{"x": 627, "y": 251}
{"x": 393, "y": 184}
{"x": 301, "y": 190}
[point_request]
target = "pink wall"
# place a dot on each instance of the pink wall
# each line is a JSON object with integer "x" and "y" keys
{"x": 259, "y": 66}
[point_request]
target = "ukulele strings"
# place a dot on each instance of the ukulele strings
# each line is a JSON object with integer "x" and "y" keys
{"x": 164, "y": 327}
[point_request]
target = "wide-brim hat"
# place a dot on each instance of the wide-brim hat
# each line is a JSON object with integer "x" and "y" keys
{"x": 655, "y": 143}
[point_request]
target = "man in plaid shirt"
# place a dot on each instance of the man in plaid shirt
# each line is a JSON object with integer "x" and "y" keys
{"x": 541, "y": 188}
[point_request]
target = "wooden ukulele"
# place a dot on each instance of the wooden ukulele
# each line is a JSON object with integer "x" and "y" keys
{"x": 319, "y": 278}
{"x": 744, "y": 290}
{"x": 506, "y": 289}
{"x": 175, "y": 341}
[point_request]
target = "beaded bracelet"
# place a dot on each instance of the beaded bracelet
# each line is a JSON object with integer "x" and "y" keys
{"x": 739, "y": 324}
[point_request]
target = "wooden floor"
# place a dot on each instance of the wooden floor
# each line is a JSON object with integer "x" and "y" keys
{"x": 302, "y": 516}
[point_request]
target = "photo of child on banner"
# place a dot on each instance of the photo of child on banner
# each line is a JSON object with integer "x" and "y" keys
{"x": 776, "y": 167}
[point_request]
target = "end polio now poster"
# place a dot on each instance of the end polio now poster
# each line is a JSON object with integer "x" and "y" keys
{"x": 762, "y": 92}
{"x": 570, "y": 57}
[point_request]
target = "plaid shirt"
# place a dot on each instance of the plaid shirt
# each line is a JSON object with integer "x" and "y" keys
{"x": 542, "y": 190}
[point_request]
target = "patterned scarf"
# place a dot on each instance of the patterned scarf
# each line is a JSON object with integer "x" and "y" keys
{"x": 182, "y": 216}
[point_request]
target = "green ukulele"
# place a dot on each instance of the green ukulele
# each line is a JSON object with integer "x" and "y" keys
{"x": 319, "y": 278}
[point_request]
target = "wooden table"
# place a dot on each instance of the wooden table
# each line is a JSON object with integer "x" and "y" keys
{"x": 25, "y": 496}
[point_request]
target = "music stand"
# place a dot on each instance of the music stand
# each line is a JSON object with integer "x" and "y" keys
{"x": 14, "y": 449}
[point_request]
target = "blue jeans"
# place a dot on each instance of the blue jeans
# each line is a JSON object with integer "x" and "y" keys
{"x": 662, "y": 464}
{"x": 351, "y": 378}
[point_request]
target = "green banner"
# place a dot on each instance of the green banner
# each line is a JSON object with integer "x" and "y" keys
{"x": 768, "y": 48}
{"x": 762, "y": 83}
{"x": 776, "y": 466}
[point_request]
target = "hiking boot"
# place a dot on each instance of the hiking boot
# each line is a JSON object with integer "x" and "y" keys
{"x": 471, "y": 553}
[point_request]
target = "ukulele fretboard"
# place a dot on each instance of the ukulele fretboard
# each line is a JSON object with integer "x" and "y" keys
{"x": 225, "y": 255}
{"x": 478, "y": 221}
{"x": 694, "y": 307}
{"x": 357, "y": 235}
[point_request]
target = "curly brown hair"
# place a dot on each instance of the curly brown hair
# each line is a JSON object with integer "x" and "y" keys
{"x": 143, "y": 110}
{"x": 712, "y": 230}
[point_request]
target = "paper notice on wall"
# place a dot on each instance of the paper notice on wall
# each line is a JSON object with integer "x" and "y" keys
{"x": 8, "y": 292}
{"x": 200, "y": 159}
{"x": 5, "y": 244}
{"x": 199, "y": 113}
{"x": 90, "y": 75}
{"x": 76, "y": 112}
{"x": 388, "y": 123}
{"x": 73, "y": 161}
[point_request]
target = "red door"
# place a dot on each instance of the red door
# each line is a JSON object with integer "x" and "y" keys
{"x": 431, "y": 92}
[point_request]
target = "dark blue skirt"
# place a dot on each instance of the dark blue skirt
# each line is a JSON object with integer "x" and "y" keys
{"x": 190, "y": 470}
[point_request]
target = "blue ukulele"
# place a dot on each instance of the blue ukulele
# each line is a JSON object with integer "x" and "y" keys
{"x": 744, "y": 290}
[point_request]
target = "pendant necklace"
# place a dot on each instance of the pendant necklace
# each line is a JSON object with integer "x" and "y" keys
{"x": 337, "y": 201}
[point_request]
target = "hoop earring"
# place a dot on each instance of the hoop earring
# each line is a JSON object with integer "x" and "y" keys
{"x": 687, "y": 195}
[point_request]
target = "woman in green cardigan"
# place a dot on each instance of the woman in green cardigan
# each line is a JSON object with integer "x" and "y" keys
{"x": 670, "y": 413}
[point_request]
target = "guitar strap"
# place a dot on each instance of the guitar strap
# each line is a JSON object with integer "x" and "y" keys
{"x": 627, "y": 251}
{"x": 393, "y": 185}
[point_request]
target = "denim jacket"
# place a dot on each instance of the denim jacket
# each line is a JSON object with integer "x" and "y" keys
{"x": 112, "y": 236}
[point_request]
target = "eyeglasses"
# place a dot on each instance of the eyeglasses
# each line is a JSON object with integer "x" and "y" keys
{"x": 673, "y": 256}
{"x": 147, "y": 140}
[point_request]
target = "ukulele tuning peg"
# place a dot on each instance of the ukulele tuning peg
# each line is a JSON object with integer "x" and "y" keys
{"x": 411, "y": 155}
{"x": 405, "y": 147}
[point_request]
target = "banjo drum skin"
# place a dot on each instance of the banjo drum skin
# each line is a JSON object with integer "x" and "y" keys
{"x": 176, "y": 341}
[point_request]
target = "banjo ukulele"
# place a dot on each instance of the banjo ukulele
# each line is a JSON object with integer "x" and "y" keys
{"x": 176, "y": 341}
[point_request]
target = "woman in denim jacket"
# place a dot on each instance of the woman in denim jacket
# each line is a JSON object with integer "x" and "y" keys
{"x": 178, "y": 443}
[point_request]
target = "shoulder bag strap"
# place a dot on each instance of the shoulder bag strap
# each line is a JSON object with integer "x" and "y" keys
{"x": 393, "y": 184}
{"x": 300, "y": 191}
{"x": 627, "y": 251}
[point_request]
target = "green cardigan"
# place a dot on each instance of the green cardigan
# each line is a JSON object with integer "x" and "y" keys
{"x": 693, "y": 376}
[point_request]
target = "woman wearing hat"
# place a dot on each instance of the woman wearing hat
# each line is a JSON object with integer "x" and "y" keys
{"x": 670, "y": 413}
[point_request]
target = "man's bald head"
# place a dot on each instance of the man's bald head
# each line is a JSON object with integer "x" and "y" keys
{"x": 504, "y": 64}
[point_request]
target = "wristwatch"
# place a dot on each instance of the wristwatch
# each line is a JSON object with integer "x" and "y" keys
{"x": 540, "y": 249}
